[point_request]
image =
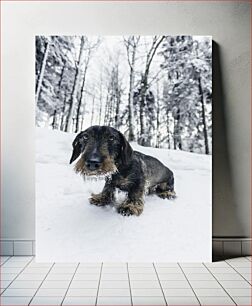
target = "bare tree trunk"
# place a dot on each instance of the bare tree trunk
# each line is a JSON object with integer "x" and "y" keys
{"x": 158, "y": 119}
{"x": 92, "y": 115}
{"x": 63, "y": 114}
{"x": 81, "y": 93}
{"x": 203, "y": 116}
{"x": 42, "y": 72}
{"x": 131, "y": 46}
{"x": 144, "y": 87}
{"x": 73, "y": 97}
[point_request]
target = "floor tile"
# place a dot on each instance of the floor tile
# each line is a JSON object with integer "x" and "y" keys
{"x": 172, "y": 276}
{"x": 114, "y": 270}
{"x": 47, "y": 300}
{"x": 28, "y": 276}
{"x": 15, "y": 300}
{"x": 145, "y": 284}
{"x": 114, "y": 264}
{"x": 8, "y": 276}
{"x": 243, "y": 300}
{"x": 235, "y": 284}
{"x": 10, "y": 270}
{"x": 24, "y": 284}
{"x": 148, "y": 300}
{"x": 103, "y": 300}
{"x": 248, "y": 277}
{"x": 63, "y": 270}
{"x": 229, "y": 276}
{"x": 19, "y": 292}
{"x": 5, "y": 283}
{"x": 166, "y": 265}
{"x": 175, "y": 284}
{"x": 219, "y": 270}
{"x": 169, "y": 270}
{"x": 88, "y": 284}
{"x": 55, "y": 284}
{"x": 178, "y": 292}
{"x": 32, "y": 270}
{"x": 140, "y": 264}
{"x": 204, "y": 284}
{"x": 114, "y": 292}
{"x": 82, "y": 292}
{"x": 114, "y": 284}
{"x": 200, "y": 276}
{"x": 84, "y": 276}
{"x": 191, "y": 265}
{"x": 14, "y": 264}
{"x": 239, "y": 291}
{"x": 79, "y": 300}
{"x": 142, "y": 270}
{"x": 39, "y": 265}
{"x": 221, "y": 300}
{"x": 243, "y": 270}
{"x": 210, "y": 292}
{"x": 117, "y": 276}
{"x": 237, "y": 259}
{"x": 51, "y": 292}
{"x": 217, "y": 264}
{"x": 146, "y": 292}
{"x": 193, "y": 270}
{"x": 59, "y": 276}
{"x": 89, "y": 270}
{"x": 21, "y": 258}
{"x": 189, "y": 300}
{"x": 241, "y": 264}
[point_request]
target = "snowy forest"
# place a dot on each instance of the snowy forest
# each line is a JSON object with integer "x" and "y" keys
{"x": 157, "y": 90}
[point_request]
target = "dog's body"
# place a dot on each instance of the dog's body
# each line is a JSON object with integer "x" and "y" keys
{"x": 106, "y": 151}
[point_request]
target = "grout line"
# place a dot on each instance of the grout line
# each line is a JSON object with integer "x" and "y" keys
{"x": 239, "y": 273}
{"x": 131, "y": 299}
{"x": 96, "y": 300}
{"x": 220, "y": 284}
{"x": 41, "y": 283}
{"x": 9, "y": 257}
{"x": 70, "y": 283}
{"x": 189, "y": 284}
{"x": 160, "y": 284}
{"x": 21, "y": 271}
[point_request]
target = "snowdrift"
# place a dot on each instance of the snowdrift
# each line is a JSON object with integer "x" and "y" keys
{"x": 68, "y": 228}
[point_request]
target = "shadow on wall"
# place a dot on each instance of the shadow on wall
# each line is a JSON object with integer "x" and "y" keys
{"x": 226, "y": 220}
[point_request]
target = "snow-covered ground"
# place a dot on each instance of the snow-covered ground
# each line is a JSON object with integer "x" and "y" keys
{"x": 68, "y": 228}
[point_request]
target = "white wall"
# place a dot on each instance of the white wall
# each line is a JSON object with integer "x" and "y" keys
{"x": 227, "y": 22}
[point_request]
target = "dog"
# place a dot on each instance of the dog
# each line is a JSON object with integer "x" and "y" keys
{"x": 106, "y": 152}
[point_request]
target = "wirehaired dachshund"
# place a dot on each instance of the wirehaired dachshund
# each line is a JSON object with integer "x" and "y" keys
{"x": 106, "y": 152}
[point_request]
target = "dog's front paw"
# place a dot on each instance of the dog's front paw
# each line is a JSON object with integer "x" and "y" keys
{"x": 167, "y": 195}
{"x": 130, "y": 208}
{"x": 99, "y": 199}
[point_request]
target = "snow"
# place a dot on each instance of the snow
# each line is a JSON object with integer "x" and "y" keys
{"x": 69, "y": 229}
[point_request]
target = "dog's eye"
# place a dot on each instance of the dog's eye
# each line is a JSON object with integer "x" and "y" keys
{"x": 111, "y": 138}
{"x": 85, "y": 136}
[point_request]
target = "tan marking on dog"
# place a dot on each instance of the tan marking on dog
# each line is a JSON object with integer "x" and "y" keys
{"x": 108, "y": 166}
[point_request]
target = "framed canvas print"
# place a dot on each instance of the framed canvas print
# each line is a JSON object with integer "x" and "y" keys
{"x": 124, "y": 144}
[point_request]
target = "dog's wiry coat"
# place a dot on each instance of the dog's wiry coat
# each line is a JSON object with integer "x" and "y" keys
{"x": 130, "y": 171}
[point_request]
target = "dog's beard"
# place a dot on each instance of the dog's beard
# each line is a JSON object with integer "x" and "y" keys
{"x": 104, "y": 172}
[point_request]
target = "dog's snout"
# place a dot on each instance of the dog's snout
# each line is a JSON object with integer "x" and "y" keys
{"x": 94, "y": 162}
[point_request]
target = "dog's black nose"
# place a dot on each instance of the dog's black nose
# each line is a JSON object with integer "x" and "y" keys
{"x": 93, "y": 164}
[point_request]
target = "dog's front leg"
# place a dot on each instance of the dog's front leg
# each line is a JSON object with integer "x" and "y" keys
{"x": 134, "y": 204}
{"x": 105, "y": 197}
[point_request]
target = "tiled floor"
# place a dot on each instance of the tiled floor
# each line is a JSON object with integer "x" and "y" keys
{"x": 25, "y": 282}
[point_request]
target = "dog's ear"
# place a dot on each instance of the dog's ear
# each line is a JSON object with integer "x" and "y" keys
{"x": 77, "y": 146}
{"x": 126, "y": 150}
